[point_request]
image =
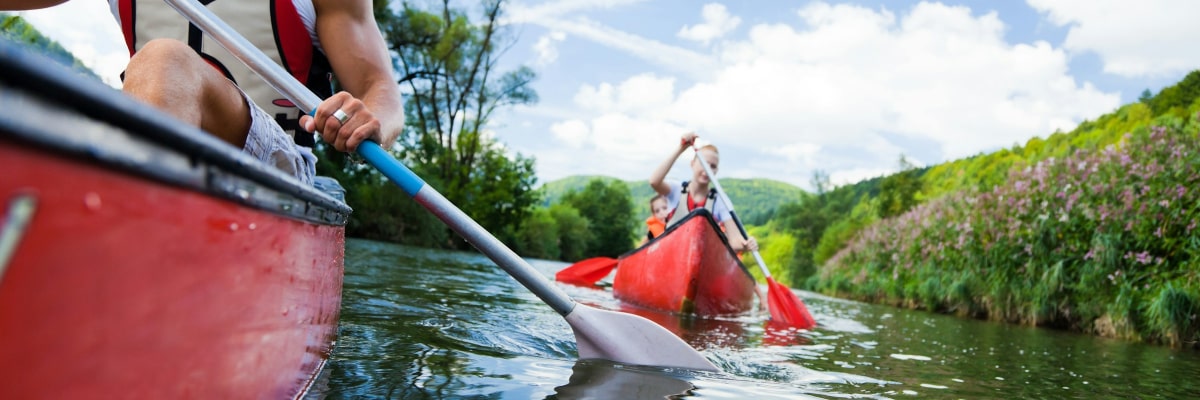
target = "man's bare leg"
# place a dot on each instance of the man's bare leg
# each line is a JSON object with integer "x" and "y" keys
{"x": 170, "y": 76}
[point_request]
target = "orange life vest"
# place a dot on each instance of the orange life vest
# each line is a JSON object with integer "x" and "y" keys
{"x": 655, "y": 227}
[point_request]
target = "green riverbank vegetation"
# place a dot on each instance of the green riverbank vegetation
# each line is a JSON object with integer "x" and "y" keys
{"x": 1094, "y": 230}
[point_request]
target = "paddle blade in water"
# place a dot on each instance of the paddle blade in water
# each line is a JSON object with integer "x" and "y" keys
{"x": 786, "y": 308}
{"x": 630, "y": 339}
{"x": 586, "y": 272}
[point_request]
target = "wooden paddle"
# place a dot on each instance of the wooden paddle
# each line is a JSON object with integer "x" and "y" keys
{"x": 586, "y": 272}
{"x": 785, "y": 307}
{"x": 614, "y": 336}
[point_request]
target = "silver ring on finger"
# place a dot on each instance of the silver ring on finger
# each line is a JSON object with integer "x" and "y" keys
{"x": 341, "y": 116}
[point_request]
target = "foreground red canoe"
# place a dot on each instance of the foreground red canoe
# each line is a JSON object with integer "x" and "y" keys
{"x": 689, "y": 269}
{"x": 140, "y": 258}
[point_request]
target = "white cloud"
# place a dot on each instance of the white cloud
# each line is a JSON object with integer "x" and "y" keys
{"x": 848, "y": 89}
{"x": 574, "y": 133}
{"x": 644, "y": 95}
{"x": 519, "y": 12}
{"x": 562, "y": 16}
{"x": 717, "y": 22}
{"x": 1133, "y": 38}
{"x": 795, "y": 152}
{"x": 88, "y": 30}
{"x": 547, "y": 47}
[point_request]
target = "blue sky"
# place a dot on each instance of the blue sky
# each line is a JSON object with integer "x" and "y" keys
{"x": 789, "y": 87}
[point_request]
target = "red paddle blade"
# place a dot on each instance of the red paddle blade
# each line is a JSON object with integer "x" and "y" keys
{"x": 586, "y": 272}
{"x": 786, "y": 308}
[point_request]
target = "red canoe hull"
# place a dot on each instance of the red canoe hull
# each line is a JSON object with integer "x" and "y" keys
{"x": 122, "y": 287}
{"x": 690, "y": 269}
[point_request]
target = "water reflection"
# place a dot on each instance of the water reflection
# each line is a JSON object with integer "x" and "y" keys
{"x": 598, "y": 379}
{"x": 431, "y": 324}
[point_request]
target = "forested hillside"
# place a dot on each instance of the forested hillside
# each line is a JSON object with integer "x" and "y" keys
{"x": 754, "y": 199}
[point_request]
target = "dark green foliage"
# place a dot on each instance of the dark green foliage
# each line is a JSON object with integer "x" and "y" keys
{"x": 606, "y": 206}
{"x": 538, "y": 236}
{"x": 897, "y": 192}
{"x": 1174, "y": 314}
{"x": 555, "y": 233}
{"x": 1145, "y": 97}
{"x": 808, "y": 220}
{"x": 1177, "y": 98}
{"x": 574, "y": 232}
{"x": 447, "y": 63}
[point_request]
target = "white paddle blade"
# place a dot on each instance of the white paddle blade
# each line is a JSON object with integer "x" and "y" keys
{"x": 630, "y": 339}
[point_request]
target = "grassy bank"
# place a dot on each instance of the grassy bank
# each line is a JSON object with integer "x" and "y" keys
{"x": 1098, "y": 241}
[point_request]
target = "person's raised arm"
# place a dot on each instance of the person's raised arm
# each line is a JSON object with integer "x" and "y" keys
{"x": 660, "y": 174}
{"x": 15, "y": 5}
{"x": 359, "y": 56}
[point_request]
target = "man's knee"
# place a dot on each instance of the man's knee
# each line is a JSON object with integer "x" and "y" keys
{"x": 162, "y": 58}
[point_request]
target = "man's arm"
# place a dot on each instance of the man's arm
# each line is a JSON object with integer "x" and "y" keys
{"x": 360, "y": 59}
{"x": 28, "y": 4}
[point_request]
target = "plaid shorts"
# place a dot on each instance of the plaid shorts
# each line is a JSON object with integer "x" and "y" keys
{"x": 268, "y": 142}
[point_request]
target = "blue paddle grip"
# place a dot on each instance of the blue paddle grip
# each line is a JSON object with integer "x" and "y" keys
{"x": 408, "y": 181}
{"x": 394, "y": 170}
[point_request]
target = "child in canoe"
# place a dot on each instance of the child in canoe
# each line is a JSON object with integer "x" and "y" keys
{"x": 656, "y": 223}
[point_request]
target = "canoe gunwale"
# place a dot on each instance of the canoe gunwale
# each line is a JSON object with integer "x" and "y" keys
{"x": 51, "y": 107}
{"x": 697, "y": 213}
{"x": 684, "y": 272}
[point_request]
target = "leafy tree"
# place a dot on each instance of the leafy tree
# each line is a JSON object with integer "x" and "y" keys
{"x": 897, "y": 192}
{"x": 1177, "y": 97}
{"x": 448, "y": 66}
{"x": 1146, "y": 97}
{"x": 843, "y": 230}
{"x": 820, "y": 181}
{"x": 538, "y": 236}
{"x": 384, "y": 212}
{"x": 574, "y": 232}
{"x": 606, "y": 206}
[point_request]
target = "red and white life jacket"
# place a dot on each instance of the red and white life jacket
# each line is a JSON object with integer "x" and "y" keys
{"x": 686, "y": 204}
{"x": 283, "y": 29}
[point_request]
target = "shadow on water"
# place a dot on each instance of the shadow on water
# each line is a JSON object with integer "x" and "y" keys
{"x": 419, "y": 323}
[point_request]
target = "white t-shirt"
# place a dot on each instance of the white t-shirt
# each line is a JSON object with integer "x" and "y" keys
{"x": 720, "y": 209}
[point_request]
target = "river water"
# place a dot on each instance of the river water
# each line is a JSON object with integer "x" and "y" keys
{"x": 420, "y": 323}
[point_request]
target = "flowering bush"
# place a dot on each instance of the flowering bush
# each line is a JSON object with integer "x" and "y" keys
{"x": 1104, "y": 241}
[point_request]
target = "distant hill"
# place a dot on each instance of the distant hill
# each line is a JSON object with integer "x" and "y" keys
{"x": 754, "y": 199}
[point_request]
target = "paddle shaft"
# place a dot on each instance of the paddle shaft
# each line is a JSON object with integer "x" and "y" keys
{"x": 732, "y": 214}
{"x": 426, "y": 196}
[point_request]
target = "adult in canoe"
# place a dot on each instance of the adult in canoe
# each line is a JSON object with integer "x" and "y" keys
{"x": 176, "y": 69}
{"x": 698, "y": 193}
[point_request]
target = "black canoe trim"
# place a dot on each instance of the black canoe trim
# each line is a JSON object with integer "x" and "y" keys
{"x": 47, "y": 105}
